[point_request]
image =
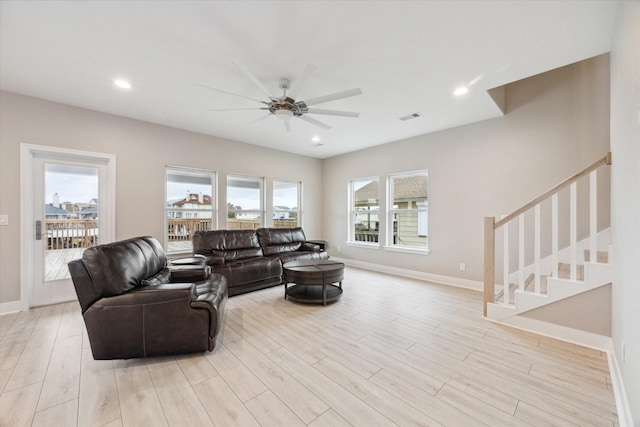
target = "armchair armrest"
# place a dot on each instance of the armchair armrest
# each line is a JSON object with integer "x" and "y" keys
{"x": 188, "y": 273}
{"x": 310, "y": 247}
{"x": 151, "y": 295}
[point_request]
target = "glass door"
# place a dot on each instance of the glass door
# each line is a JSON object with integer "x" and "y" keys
{"x": 67, "y": 220}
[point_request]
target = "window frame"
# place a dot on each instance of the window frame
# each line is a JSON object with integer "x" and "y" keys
{"x": 167, "y": 209}
{"x": 298, "y": 210}
{"x": 392, "y": 211}
{"x": 261, "y": 185}
{"x": 352, "y": 211}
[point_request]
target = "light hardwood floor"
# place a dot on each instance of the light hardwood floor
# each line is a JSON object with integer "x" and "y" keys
{"x": 391, "y": 351}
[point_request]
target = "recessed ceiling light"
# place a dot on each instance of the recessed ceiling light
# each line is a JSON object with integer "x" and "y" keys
{"x": 123, "y": 84}
{"x": 461, "y": 91}
{"x": 316, "y": 139}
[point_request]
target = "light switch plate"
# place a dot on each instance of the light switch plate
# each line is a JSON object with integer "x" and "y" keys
{"x": 4, "y": 219}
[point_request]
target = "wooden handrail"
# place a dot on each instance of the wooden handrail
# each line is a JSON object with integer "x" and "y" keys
{"x": 606, "y": 160}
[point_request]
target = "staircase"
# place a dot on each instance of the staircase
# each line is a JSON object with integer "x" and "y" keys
{"x": 589, "y": 275}
{"x": 535, "y": 269}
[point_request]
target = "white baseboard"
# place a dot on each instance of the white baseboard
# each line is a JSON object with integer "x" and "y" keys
{"x": 585, "y": 339}
{"x": 10, "y": 307}
{"x": 563, "y": 333}
{"x": 622, "y": 403}
{"x": 412, "y": 274}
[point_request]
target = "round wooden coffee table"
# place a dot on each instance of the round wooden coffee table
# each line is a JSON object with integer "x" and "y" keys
{"x": 313, "y": 281}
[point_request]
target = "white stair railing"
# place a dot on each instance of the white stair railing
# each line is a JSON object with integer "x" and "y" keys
{"x": 491, "y": 226}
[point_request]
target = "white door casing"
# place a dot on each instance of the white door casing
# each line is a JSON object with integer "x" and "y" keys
{"x": 34, "y": 291}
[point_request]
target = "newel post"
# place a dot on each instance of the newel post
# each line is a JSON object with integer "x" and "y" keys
{"x": 489, "y": 262}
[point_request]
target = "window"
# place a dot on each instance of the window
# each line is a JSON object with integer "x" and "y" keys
{"x": 286, "y": 204}
{"x": 245, "y": 207}
{"x": 190, "y": 206}
{"x": 408, "y": 211}
{"x": 364, "y": 223}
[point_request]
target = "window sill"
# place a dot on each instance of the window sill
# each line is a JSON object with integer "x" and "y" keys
{"x": 364, "y": 245}
{"x": 407, "y": 250}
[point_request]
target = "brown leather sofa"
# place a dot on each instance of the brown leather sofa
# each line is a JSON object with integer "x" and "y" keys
{"x": 252, "y": 259}
{"x": 134, "y": 305}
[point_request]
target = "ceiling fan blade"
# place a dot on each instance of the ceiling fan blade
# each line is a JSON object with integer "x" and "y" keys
{"x": 308, "y": 70}
{"x": 315, "y": 122}
{"x": 287, "y": 126}
{"x": 261, "y": 118}
{"x": 237, "y": 109}
{"x": 332, "y": 112}
{"x": 331, "y": 97}
{"x": 253, "y": 78}
{"x": 230, "y": 93}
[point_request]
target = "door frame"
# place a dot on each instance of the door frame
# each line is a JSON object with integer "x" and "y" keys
{"x": 27, "y": 228}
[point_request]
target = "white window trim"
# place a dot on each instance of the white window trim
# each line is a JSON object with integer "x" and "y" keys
{"x": 372, "y": 245}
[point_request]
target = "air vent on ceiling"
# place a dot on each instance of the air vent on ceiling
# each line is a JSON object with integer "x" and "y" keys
{"x": 410, "y": 117}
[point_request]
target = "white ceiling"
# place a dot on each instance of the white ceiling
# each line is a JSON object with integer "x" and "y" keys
{"x": 405, "y": 56}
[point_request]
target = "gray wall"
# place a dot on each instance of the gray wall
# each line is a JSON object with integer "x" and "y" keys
{"x": 142, "y": 150}
{"x": 571, "y": 311}
{"x": 556, "y": 123}
{"x": 625, "y": 189}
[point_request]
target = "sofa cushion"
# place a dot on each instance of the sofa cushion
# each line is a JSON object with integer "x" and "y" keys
{"x": 227, "y": 244}
{"x": 241, "y": 272}
{"x": 280, "y": 240}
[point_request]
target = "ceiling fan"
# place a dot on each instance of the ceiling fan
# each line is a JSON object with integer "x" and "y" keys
{"x": 285, "y": 107}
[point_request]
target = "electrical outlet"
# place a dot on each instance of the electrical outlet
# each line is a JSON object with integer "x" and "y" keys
{"x": 623, "y": 351}
{"x": 462, "y": 267}
{"x": 4, "y": 219}
{"x": 338, "y": 248}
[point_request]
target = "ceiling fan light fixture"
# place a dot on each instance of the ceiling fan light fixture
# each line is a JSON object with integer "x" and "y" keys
{"x": 284, "y": 114}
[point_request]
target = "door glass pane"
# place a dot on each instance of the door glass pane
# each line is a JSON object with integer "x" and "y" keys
{"x": 70, "y": 216}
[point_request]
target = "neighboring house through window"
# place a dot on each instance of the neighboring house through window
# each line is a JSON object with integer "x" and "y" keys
{"x": 245, "y": 202}
{"x": 287, "y": 197}
{"x": 364, "y": 205}
{"x": 407, "y": 216}
{"x": 189, "y": 206}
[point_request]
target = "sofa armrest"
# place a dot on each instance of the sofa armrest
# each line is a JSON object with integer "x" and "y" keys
{"x": 309, "y": 247}
{"x": 209, "y": 258}
{"x": 196, "y": 259}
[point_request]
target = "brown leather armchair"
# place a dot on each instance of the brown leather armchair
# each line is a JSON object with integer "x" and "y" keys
{"x": 135, "y": 305}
